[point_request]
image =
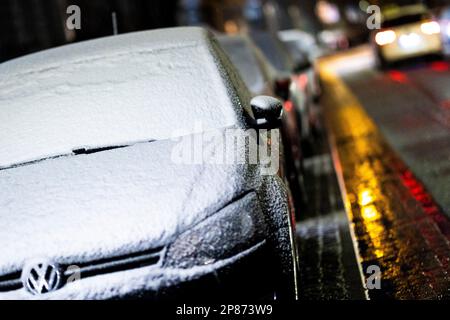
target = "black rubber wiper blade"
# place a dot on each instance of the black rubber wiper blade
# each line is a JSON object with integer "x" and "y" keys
{"x": 75, "y": 152}
{"x": 95, "y": 150}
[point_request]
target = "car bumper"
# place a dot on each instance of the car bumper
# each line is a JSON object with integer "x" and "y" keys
{"x": 248, "y": 274}
{"x": 429, "y": 45}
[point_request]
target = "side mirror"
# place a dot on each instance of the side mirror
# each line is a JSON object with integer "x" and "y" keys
{"x": 267, "y": 111}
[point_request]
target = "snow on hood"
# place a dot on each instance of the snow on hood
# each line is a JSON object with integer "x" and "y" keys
{"x": 112, "y": 91}
{"x": 86, "y": 207}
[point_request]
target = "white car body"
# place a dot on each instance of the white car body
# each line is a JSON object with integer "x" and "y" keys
{"x": 139, "y": 92}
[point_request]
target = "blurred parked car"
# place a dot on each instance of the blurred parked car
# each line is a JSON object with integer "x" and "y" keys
{"x": 91, "y": 187}
{"x": 256, "y": 71}
{"x": 407, "y": 32}
{"x": 334, "y": 39}
{"x": 297, "y": 82}
{"x": 305, "y": 50}
{"x": 261, "y": 78}
{"x": 303, "y": 41}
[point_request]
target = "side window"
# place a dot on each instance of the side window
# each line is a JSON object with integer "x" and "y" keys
{"x": 239, "y": 91}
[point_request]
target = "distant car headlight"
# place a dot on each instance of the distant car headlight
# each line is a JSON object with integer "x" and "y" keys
{"x": 385, "y": 37}
{"x": 431, "y": 27}
{"x": 233, "y": 229}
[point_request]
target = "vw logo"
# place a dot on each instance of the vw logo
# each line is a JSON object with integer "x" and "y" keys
{"x": 41, "y": 277}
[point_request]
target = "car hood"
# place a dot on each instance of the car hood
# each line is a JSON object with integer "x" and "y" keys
{"x": 86, "y": 207}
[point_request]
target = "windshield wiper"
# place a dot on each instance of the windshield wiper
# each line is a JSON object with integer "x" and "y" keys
{"x": 75, "y": 152}
{"x": 95, "y": 150}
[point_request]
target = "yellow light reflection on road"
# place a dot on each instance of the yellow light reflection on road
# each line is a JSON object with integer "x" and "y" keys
{"x": 370, "y": 213}
{"x": 359, "y": 150}
{"x": 390, "y": 223}
{"x": 365, "y": 197}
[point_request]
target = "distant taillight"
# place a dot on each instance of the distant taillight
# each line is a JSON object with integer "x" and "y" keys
{"x": 288, "y": 106}
{"x": 431, "y": 27}
{"x": 385, "y": 37}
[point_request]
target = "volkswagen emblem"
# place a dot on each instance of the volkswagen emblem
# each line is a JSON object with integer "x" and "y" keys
{"x": 41, "y": 277}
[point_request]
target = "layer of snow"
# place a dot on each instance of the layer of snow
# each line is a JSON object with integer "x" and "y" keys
{"x": 112, "y": 91}
{"x": 137, "y": 281}
{"x": 108, "y": 203}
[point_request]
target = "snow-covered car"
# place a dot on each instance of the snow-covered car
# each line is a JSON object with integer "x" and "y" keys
{"x": 96, "y": 200}
{"x": 262, "y": 79}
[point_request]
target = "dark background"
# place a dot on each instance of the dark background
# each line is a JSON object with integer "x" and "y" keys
{"x": 31, "y": 25}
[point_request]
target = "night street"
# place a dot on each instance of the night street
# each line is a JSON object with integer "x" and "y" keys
{"x": 373, "y": 121}
{"x": 232, "y": 158}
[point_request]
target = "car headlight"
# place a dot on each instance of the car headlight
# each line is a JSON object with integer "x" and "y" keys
{"x": 430, "y": 27}
{"x": 383, "y": 38}
{"x": 233, "y": 229}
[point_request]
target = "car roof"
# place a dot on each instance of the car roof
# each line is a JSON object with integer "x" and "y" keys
{"x": 117, "y": 90}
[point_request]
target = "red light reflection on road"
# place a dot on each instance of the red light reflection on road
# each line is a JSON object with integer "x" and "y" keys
{"x": 445, "y": 104}
{"x": 440, "y": 66}
{"x": 423, "y": 197}
{"x": 398, "y": 76}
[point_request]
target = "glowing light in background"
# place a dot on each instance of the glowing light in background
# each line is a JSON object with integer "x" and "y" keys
{"x": 327, "y": 12}
{"x": 288, "y": 105}
{"x": 231, "y": 27}
{"x": 363, "y": 5}
{"x": 431, "y": 27}
{"x": 385, "y": 37}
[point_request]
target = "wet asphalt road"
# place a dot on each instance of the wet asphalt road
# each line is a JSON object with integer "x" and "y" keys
{"x": 328, "y": 265}
{"x": 389, "y": 134}
{"x": 410, "y": 104}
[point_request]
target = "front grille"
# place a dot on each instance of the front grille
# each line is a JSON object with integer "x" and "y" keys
{"x": 12, "y": 281}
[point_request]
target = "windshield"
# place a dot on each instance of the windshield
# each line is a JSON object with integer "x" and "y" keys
{"x": 99, "y": 100}
{"x": 407, "y": 19}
